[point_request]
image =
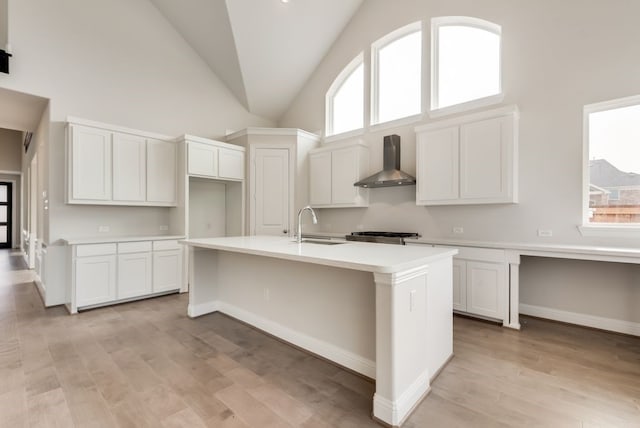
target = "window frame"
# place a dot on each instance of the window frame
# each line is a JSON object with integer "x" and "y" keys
{"x": 376, "y": 46}
{"x": 462, "y": 21}
{"x": 340, "y": 79}
{"x": 618, "y": 230}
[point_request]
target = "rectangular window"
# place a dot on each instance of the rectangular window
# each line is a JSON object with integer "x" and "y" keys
{"x": 612, "y": 163}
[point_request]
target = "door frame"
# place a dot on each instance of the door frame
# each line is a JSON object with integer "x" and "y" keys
{"x": 252, "y": 182}
{"x": 11, "y": 213}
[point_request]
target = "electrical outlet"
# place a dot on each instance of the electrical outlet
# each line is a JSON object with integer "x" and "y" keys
{"x": 164, "y": 227}
{"x": 458, "y": 230}
{"x": 412, "y": 300}
{"x": 103, "y": 229}
{"x": 545, "y": 233}
{"x": 266, "y": 294}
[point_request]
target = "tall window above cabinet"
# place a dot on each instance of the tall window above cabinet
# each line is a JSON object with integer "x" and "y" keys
{"x": 111, "y": 165}
{"x": 469, "y": 160}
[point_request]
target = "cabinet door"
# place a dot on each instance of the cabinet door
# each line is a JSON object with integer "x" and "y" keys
{"x": 161, "y": 172}
{"x": 202, "y": 159}
{"x": 320, "y": 178}
{"x": 486, "y": 289}
{"x": 129, "y": 168}
{"x": 134, "y": 275}
{"x": 344, "y": 172}
{"x": 437, "y": 166}
{"x": 459, "y": 285}
{"x": 231, "y": 164}
{"x": 167, "y": 270}
{"x": 484, "y": 159}
{"x": 95, "y": 279}
{"x": 90, "y": 164}
{"x": 271, "y": 192}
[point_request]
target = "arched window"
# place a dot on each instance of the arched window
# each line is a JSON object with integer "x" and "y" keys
{"x": 465, "y": 62}
{"x": 345, "y": 99}
{"x": 396, "y": 78}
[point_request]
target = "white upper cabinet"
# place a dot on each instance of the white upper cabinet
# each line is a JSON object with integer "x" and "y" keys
{"x": 203, "y": 159}
{"x": 161, "y": 171}
{"x": 108, "y": 165}
{"x": 231, "y": 164}
{"x": 90, "y": 162}
{"x": 468, "y": 160}
{"x": 333, "y": 171}
{"x": 213, "y": 159}
{"x": 129, "y": 168}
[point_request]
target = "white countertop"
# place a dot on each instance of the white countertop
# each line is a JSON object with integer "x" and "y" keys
{"x": 537, "y": 249}
{"x": 380, "y": 258}
{"x": 110, "y": 239}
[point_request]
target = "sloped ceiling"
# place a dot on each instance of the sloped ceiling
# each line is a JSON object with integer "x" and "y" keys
{"x": 263, "y": 50}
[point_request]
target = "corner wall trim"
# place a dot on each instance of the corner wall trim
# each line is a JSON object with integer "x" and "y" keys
{"x": 610, "y": 324}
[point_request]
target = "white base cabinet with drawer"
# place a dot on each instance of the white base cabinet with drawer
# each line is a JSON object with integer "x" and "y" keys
{"x": 109, "y": 273}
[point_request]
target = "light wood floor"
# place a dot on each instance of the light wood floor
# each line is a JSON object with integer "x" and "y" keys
{"x": 146, "y": 364}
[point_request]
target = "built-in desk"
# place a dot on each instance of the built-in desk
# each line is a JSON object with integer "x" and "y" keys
{"x": 515, "y": 250}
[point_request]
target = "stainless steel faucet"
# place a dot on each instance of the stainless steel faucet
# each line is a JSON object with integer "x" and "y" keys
{"x": 315, "y": 221}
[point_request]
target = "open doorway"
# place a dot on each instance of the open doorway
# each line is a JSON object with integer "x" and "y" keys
{"x": 6, "y": 214}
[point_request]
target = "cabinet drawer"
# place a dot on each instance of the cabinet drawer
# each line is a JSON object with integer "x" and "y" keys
{"x": 95, "y": 250}
{"x": 134, "y": 247}
{"x": 167, "y": 244}
{"x": 475, "y": 253}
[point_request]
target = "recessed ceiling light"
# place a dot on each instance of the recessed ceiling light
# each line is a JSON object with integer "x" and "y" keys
{"x": 284, "y": 1}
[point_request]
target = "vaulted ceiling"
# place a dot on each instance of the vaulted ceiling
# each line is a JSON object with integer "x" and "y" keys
{"x": 263, "y": 50}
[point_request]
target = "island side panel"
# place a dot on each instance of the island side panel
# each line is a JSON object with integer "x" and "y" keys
{"x": 439, "y": 315}
{"x": 203, "y": 281}
{"x": 402, "y": 373}
{"x": 327, "y": 310}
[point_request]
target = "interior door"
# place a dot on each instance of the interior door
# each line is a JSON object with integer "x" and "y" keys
{"x": 6, "y": 194}
{"x": 271, "y": 192}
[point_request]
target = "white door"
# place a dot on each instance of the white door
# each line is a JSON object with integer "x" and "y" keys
{"x": 320, "y": 178}
{"x": 95, "y": 280}
{"x": 167, "y": 270}
{"x": 129, "y": 168}
{"x": 134, "y": 275}
{"x": 459, "y": 285}
{"x": 271, "y": 192}
{"x": 437, "y": 165}
{"x": 161, "y": 171}
{"x": 344, "y": 172}
{"x": 230, "y": 164}
{"x": 91, "y": 164}
{"x": 202, "y": 159}
{"x": 486, "y": 289}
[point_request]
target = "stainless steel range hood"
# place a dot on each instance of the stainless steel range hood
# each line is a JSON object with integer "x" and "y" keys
{"x": 391, "y": 174}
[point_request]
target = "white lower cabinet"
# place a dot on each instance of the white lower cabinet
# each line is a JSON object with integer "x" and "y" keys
{"x": 96, "y": 277}
{"x": 108, "y": 273}
{"x": 480, "y": 282}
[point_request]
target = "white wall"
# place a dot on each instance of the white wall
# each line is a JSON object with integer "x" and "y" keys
{"x": 116, "y": 62}
{"x": 3, "y": 23}
{"x": 557, "y": 57}
{"x": 10, "y": 150}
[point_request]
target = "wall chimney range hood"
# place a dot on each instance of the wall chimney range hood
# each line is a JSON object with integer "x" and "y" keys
{"x": 391, "y": 175}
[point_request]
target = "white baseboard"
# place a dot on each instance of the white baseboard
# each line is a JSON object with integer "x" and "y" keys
{"x": 395, "y": 412}
{"x": 610, "y": 324}
{"x": 331, "y": 352}
{"x": 202, "y": 309}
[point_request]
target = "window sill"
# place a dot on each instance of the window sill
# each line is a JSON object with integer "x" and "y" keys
{"x": 343, "y": 136}
{"x": 395, "y": 123}
{"x": 611, "y": 230}
{"x": 469, "y": 105}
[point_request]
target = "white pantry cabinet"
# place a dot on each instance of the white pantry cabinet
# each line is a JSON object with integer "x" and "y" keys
{"x": 332, "y": 172}
{"x": 214, "y": 159}
{"x": 109, "y": 165}
{"x": 114, "y": 272}
{"x": 468, "y": 160}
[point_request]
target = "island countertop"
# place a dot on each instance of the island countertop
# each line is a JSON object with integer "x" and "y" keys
{"x": 364, "y": 256}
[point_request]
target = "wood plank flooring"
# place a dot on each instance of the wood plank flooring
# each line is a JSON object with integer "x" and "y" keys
{"x": 146, "y": 364}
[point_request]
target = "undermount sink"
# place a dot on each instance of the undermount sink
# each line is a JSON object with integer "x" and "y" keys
{"x": 322, "y": 242}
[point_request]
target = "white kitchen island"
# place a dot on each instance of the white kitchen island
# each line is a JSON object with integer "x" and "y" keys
{"x": 382, "y": 310}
